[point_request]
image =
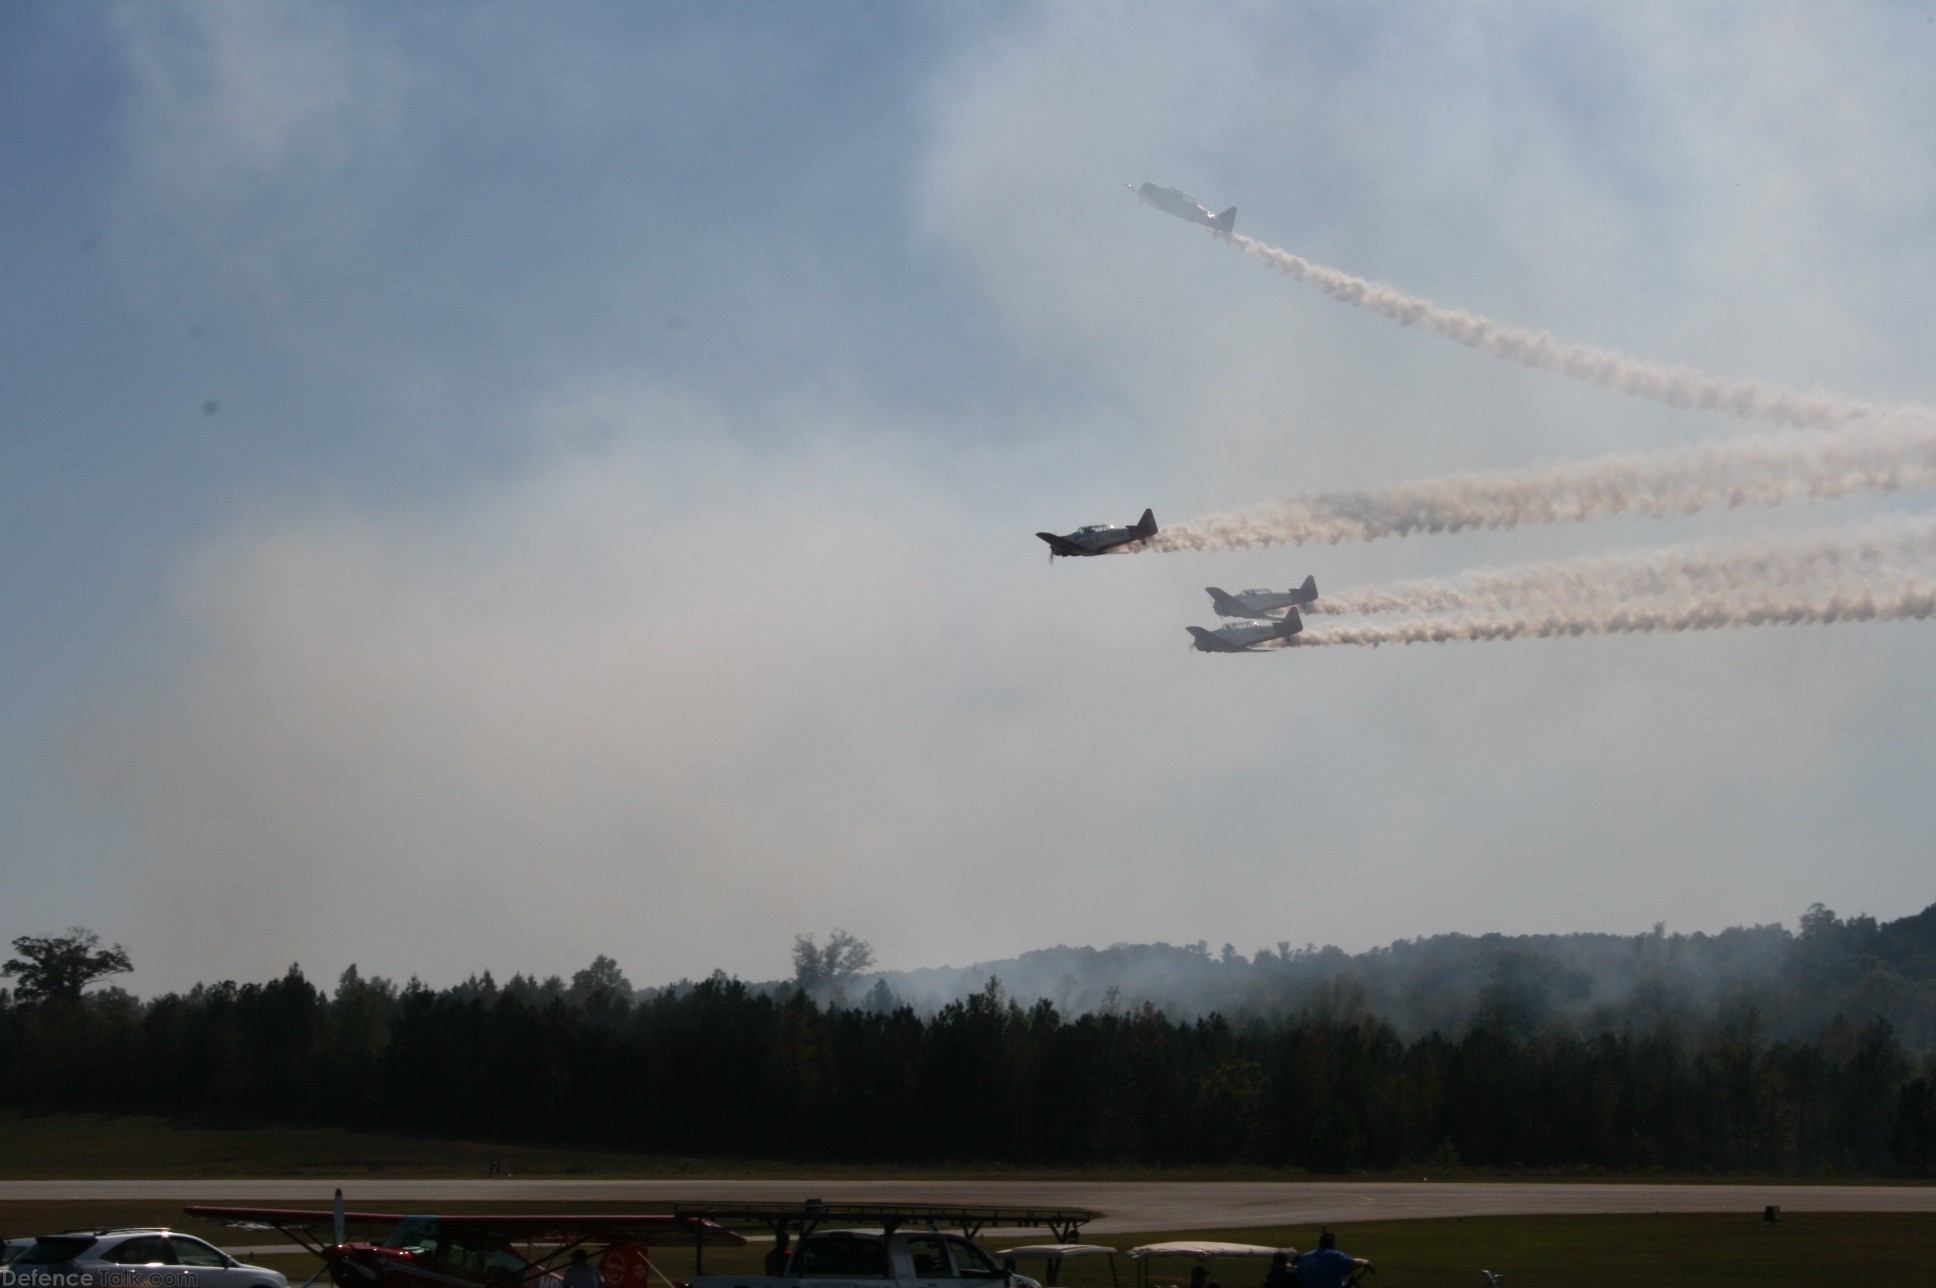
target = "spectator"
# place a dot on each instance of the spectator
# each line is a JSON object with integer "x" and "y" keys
{"x": 1326, "y": 1267}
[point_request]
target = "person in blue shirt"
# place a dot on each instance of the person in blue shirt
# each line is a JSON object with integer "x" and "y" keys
{"x": 1326, "y": 1267}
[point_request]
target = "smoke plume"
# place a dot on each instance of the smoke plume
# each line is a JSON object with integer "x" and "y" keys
{"x": 1897, "y": 454}
{"x": 1677, "y": 386}
{"x": 1875, "y": 572}
{"x": 1915, "y": 602}
{"x": 1867, "y": 554}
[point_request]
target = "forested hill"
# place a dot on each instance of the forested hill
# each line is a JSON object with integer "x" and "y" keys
{"x": 1797, "y": 981}
{"x": 1754, "y": 1049}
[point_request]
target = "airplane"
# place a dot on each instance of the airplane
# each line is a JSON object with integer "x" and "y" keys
{"x": 1097, "y": 539}
{"x": 1175, "y": 201}
{"x": 1261, "y": 603}
{"x": 1244, "y": 636}
{"x": 472, "y": 1251}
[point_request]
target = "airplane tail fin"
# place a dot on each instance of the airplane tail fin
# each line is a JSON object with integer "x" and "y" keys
{"x": 1227, "y": 221}
{"x": 1290, "y": 624}
{"x": 1308, "y": 592}
{"x": 1146, "y": 526}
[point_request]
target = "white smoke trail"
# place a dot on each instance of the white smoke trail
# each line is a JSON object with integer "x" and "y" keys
{"x": 1896, "y": 455}
{"x": 1913, "y": 601}
{"x": 1835, "y": 559}
{"x": 1677, "y": 386}
{"x": 1878, "y": 571}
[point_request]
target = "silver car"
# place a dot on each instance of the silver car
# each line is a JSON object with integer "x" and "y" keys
{"x": 132, "y": 1258}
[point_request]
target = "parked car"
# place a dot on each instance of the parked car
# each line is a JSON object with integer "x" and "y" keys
{"x": 132, "y": 1258}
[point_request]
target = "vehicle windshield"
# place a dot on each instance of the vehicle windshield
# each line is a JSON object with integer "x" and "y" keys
{"x": 972, "y": 1263}
{"x": 841, "y": 1257}
{"x": 426, "y": 1237}
{"x": 414, "y": 1234}
{"x": 51, "y": 1252}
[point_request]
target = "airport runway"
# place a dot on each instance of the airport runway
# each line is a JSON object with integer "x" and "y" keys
{"x": 1127, "y": 1206}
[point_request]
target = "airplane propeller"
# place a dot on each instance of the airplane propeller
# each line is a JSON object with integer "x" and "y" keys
{"x": 339, "y": 1233}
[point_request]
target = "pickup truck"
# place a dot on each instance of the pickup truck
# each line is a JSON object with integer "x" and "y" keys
{"x": 876, "y": 1259}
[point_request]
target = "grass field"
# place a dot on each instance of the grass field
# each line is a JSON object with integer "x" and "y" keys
{"x": 81, "y": 1146}
{"x": 1533, "y": 1252}
{"x": 127, "y": 1147}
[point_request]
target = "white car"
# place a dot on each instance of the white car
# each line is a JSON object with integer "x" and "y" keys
{"x": 132, "y": 1258}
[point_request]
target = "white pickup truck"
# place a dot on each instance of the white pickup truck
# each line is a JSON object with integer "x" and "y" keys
{"x": 883, "y": 1252}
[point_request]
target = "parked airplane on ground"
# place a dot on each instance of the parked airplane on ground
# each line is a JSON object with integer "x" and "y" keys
{"x": 473, "y": 1250}
{"x": 1261, "y": 603}
{"x": 1175, "y": 201}
{"x": 1243, "y": 637}
{"x": 1099, "y": 539}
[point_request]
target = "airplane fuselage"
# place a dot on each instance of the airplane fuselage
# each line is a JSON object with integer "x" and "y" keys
{"x": 1255, "y": 603}
{"x": 1247, "y": 636}
{"x": 1098, "y": 538}
{"x": 1175, "y": 201}
{"x": 1260, "y": 602}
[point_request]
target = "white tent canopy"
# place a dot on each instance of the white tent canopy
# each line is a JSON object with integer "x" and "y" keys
{"x": 1204, "y": 1250}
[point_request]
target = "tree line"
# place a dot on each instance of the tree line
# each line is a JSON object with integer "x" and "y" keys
{"x": 720, "y": 1068}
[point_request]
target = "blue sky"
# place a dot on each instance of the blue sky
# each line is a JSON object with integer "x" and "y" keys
{"x": 493, "y": 484}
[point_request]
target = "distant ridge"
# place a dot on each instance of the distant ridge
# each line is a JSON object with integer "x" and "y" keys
{"x": 1795, "y": 982}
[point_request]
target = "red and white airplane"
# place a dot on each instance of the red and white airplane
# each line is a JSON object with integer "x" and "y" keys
{"x": 474, "y": 1251}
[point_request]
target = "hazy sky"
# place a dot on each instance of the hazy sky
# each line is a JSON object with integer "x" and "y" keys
{"x": 486, "y": 485}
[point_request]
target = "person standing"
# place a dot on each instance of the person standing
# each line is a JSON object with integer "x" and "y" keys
{"x": 581, "y": 1273}
{"x": 1326, "y": 1266}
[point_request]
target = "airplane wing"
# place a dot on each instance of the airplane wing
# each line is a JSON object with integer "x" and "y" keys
{"x": 604, "y": 1227}
{"x": 1225, "y": 604}
{"x": 287, "y": 1220}
{"x": 1060, "y": 546}
{"x": 1211, "y": 642}
{"x": 308, "y": 1227}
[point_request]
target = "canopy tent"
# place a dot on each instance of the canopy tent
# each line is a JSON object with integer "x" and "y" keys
{"x": 1053, "y": 1253}
{"x": 1199, "y": 1250}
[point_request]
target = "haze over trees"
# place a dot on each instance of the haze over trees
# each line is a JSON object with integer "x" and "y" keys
{"x": 1797, "y": 981}
{"x": 1535, "y": 1073}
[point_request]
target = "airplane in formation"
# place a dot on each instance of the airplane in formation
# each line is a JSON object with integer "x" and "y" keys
{"x": 473, "y": 1251}
{"x": 1175, "y": 201}
{"x": 1097, "y": 539}
{"x": 1261, "y": 603}
{"x": 1246, "y": 636}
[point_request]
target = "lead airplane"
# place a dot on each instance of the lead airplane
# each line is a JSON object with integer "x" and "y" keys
{"x": 1245, "y": 637}
{"x": 1098, "y": 539}
{"x": 1175, "y": 201}
{"x": 1261, "y": 603}
{"x": 473, "y": 1251}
